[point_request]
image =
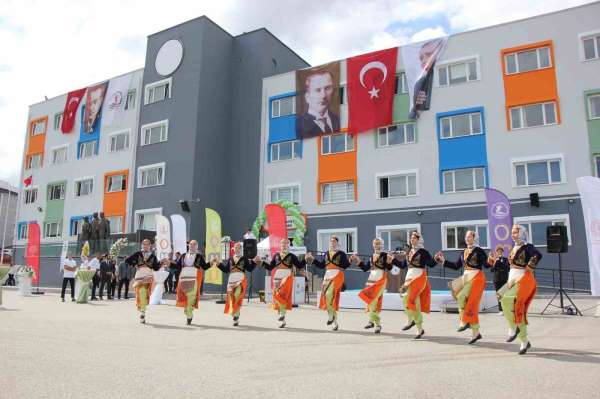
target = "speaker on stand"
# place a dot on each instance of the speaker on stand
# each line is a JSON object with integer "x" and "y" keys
{"x": 250, "y": 252}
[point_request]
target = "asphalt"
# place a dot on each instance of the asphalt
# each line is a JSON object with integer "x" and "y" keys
{"x": 50, "y": 349}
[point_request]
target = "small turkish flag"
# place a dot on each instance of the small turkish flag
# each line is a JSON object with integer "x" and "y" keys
{"x": 28, "y": 181}
{"x": 371, "y": 82}
{"x": 73, "y": 100}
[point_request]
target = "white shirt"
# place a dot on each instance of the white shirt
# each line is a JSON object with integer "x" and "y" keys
{"x": 71, "y": 263}
{"x": 93, "y": 264}
{"x": 320, "y": 121}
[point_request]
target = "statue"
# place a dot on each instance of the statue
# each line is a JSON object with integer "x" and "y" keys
{"x": 104, "y": 232}
{"x": 86, "y": 231}
{"x": 95, "y": 242}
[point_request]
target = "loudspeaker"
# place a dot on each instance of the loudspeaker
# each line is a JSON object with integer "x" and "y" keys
{"x": 184, "y": 205}
{"x": 534, "y": 200}
{"x": 250, "y": 249}
{"x": 557, "y": 240}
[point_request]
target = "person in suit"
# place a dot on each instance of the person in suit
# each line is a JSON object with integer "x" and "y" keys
{"x": 319, "y": 118}
{"x": 422, "y": 89}
{"x": 500, "y": 268}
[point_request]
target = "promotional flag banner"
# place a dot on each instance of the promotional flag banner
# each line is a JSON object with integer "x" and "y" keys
{"x": 71, "y": 105}
{"x": 115, "y": 100}
{"x": 179, "y": 234}
{"x": 317, "y": 101}
{"x": 163, "y": 237}
{"x": 499, "y": 219}
{"x": 277, "y": 222}
{"x": 213, "y": 246}
{"x": 371, "y": 85}
{"x": 419, "y": 61}
{"x": 93, "y": 105}
{"x": 32, "y": 252}
{"x": 589, "y": 189}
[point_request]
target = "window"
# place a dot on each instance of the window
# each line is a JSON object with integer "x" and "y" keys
{"x": 396, "y": 237}
{"x": 84, "y": 187}
{"x": 343, "y": 94}
{"x": 59, "y": 155}
{"x": 538, "y": 171}
{"x": 459, "y": 180}
{"x": 594, "y": 106}
{"x": 459, "y": 72}
{"x": 56, "y": 191}
{"x": 289, "y": 193}
{"x": 31, "y": 195}
{"x": 58, "y": 120}
{"x": 283, "y": 106}
{"x": 453, "y": 233}
{"x": 533, "y": 115}
{"x": 38, "y": 127}
{"x": 88, "y": 149}
{"x": 34, "y": 161}
{"x": 285, "y": 150}
{"x": 116, "y": 224}
{"x": 347, "y": 239}
{"x": 22, "y": 232}
{"x": 597, "y": 162}
{"x": 461, "y": 125}
{"x": 76, "y": 224}
{"x": 397, "y": 185}
{"x": 116, "y": 183}
{"x": 151, "y": 175}
{"x": 396, "y": 134}
{"x": 528, "y": 60}
{"x": 155, "y": 132}
{"x": 52, "y": 229}
{"x": 130, "y": 103}
{"x": 335, "y": 143}
{"x": 536, "y": 227}
{"x": 337, "y": 192}
{"x": 591, "y": 47}
{"x": 158, "y": 91}
{"x": 146, "y": 219}
{"x": 401, "y": 86}
{"x": 119, "y": 142}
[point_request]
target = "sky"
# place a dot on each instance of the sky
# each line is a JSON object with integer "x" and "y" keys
{"x": 48, "y": 48}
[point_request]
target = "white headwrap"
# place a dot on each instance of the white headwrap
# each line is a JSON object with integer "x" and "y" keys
{"x": 475, "y": 238}
{"x": 421, "y": 243}
{"x": 523, "y": 236}
{"x": 381, "y": 241}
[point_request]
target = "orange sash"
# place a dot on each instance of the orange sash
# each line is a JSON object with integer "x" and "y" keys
{"x": 231, "y": 305}
{"x": 471, "y": 310}
{"x": 138, "y": 294}
{"x": 337, "y": 282}
{"x": 369, "y": 293}
{"x": 182, "y": 297}
{"x": 525, "y": 293}
{"x": 420, "y": 288}
{"x": 283, "y": 294}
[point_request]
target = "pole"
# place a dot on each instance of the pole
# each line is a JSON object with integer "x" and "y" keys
{"x": 560, "y": 282}
{"x": 6, "y": 220}
{"x": 2, "y": 253}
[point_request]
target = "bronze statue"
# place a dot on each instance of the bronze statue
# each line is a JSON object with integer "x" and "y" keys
{"x": 104, "y": 232}
{"x": 95, "y": 242}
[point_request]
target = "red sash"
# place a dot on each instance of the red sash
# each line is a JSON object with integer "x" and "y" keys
{"x": 525, "y": 294}
{"x": 369, "y": 293}
{"x": 471, "y": 311}
{"x": 419, "y": 288}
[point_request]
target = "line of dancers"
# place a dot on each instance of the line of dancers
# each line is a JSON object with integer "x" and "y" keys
{"x": 515, "y": 296}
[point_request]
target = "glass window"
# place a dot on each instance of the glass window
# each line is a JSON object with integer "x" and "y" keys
{"x": 119, "y": 142}
{"x": 594, "y": 105}
{"x": 464, "y": 180}
{"x": 337, "y": 192}
{"x": 511, "y": 64}
{"x": 84, "y": 187}
{"x": 597, "y": 159}
{"x": 158, "y": 91}
{"x": 336, "y": 143}
{"x": 52, "y": 230}
{"x": 151, "y": 176}
{"x": 131, "y": 95}
{"x": 291, "y": 193}
{"x": 58, "y": 120}
{"x": 538, "y": 172}
{"x": 455, "y": 236}
{"x": 154, "y": 134}
{"x": 443, "y": 76}
{"x": 59, "y": 155}
{"x": 347, "y": 241}
{"x": 116, "y": 183}
{"x": 461, "y": 125}
{"x": 458, "y": 73}
{"x": 30, "y": 195}
{"x": 116, "y": 224}
{"x": 515, "y": 118}
{"x": 87, "y": 149}
{"x": 533, "y": 115}
{"x": 56, "y": 191}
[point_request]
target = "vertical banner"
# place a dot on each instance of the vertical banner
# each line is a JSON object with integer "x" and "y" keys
{"x": 179, "y": 234}
{"x": 499, "y": 219}
{"x": 317, "y": 100}
{"x": 73, "y": 100}
{"x": 213, "y": 246}
{"x": 93, "y": 105}
{"x": 277, "y": 222}
{"x": 32, "y": 253}
{"x": 371, "y": 81}
{"x": 163, "y": 237}
{"x": 115, "y": 100}
{"x": 419, "y": 61}
{"x": 589, "y": 189}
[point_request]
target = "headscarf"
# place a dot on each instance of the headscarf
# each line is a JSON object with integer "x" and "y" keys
{"x": 523, "y": 236}
{"x": 382, "y": 243}
{"x": 421, "y": 243}
{"x": 475, "y": 238}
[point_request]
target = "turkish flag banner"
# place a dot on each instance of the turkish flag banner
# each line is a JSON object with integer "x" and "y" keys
{"x": 371, "y": 83}
{"x": 73, "y": 101}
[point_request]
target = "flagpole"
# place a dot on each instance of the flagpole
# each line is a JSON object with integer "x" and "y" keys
{"x": 6, "y": 220}
{"x": 2, "y": 253}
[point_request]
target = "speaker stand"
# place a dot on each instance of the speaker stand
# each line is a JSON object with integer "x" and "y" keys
{"x": 560, "y": 292}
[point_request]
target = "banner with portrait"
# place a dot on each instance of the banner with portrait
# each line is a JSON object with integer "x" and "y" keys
{"x": 317, "y": 100}
{"x": 93, "y": 105}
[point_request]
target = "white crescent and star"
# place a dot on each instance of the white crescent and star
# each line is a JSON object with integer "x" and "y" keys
{"x": 367, "y": 67}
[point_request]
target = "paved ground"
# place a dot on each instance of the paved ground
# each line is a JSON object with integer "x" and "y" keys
{"x": 50, "y": 349}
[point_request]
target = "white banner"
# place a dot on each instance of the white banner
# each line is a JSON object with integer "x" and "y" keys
{"x": 589, "y": 189}
{"x": 179, "y": 235}
{"x": 163, "y": 237}
{"x": 115, "y": 100}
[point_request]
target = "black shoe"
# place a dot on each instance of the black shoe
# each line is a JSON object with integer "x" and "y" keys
{"x": 514, "y": 336}
{"x": 63, "y": 299}
{"x": 408, "y": 326}
{"x": 236, "y": 318}
{"x": 477, "y": 338}
{"x": 419, "y": 335}
{"x": 370, "y": 325}
{"x": 189, "y": 322}
{"x": 524, "y": 350}
{"x": 378, "y": 329}
{"x": 464, "y": 327}
{"x": 329, "y": 322}
{"x": 72, "y": 299}
{"x": 236, "y": 323}
{"x": 335, "y": 325}
{"x": 281, "y": 318}
{"x": 282, "y": 325}
{"x": 143, "y": 319}
{"x": 101, "y": 298}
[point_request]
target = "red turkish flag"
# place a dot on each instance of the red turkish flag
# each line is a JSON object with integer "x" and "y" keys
{"x": 28, "y": 181}
{"x": 371, "y": 83}
{"x": 73, "y": 100}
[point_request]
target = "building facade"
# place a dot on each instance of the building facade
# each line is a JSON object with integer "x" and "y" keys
{"x": 515, "y": 107}
{"x": 8, "y": 215}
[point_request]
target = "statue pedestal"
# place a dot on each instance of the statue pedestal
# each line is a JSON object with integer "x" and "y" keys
{"x": 3, "y": 276}
{"x": 24, "y": 285}
{"x": 159, "y": 287}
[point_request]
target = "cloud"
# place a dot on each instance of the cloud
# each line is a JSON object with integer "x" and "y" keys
{"x": 65, "y": 45}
